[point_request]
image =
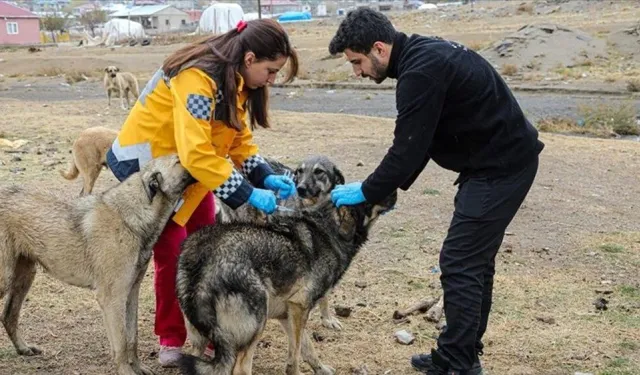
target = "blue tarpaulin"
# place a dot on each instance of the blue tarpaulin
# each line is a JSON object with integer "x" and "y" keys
{"x": 294, "y": 16}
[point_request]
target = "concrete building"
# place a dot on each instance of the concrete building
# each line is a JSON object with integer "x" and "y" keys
{"x": 158, "y": 18}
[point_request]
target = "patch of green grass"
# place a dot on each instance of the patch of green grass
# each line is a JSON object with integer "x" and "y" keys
{"x": 629, "y": 345}
{"x": 612, "y": 248}
{"x": 6, "y": 353}
{"x": 630, "y": 291}
{"x": 620, "y": 366}
{"x": 430, "y": 192}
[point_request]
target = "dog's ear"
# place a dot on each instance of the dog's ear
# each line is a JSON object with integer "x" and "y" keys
{"x": 339, "y": 177}
{"x": 152, "y": 186}
{"x": 347, "y": 224}
{"x": 117, "y": 69}
{"x": 106, "y": 69}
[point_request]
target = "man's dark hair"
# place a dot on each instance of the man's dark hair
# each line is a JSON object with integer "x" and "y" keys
{"x": 360, "y": 29}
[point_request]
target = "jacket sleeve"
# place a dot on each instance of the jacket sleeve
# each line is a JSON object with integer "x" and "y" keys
{"x": 194, "y": 103}
{"x": 419, "y": 102}
{"x": 244, "y": 154}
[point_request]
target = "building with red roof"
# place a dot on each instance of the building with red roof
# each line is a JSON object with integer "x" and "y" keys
{"x": 17, "y": 25}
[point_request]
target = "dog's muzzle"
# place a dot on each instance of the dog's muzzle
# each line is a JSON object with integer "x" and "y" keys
{"x": 113, "y": 75}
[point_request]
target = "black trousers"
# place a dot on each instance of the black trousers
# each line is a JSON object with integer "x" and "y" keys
{"x": 484, "y": 207}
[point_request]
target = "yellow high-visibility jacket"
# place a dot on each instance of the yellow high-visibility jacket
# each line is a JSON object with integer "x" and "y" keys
{"x": 179, "y": 115}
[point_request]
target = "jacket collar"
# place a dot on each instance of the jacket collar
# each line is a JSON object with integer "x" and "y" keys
{"x": 396, "y": 50}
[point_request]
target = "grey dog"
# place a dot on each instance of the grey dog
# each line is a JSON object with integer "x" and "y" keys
{"x": 228, "y": 288}
{"x": 314, "y": 177}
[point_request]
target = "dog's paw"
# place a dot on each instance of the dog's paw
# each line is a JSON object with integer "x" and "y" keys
{"x": 325, "y": 370}
{"x": 332, "y": 322}
{"x": 29, "y": 351}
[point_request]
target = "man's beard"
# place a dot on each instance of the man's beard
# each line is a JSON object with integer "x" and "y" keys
{"x": 379, "y": 71}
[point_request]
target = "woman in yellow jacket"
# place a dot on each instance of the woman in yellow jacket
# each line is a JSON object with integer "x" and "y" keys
{"x": 203, "y": 105}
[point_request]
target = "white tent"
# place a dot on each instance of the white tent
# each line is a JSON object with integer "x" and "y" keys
{"x": 220, "y": 18}
{"x": 120, "y": 29}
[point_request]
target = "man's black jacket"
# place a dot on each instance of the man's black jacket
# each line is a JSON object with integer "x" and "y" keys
{"x": 453, "y": 107}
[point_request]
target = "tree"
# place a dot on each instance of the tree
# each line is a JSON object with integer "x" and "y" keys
{"x": 53, "y": 23}
{"x": 93, "y": 18}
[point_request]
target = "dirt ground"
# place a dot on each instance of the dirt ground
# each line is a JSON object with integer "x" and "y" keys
{"x": 576, "y": 236}
{"x": 578, "y": 232}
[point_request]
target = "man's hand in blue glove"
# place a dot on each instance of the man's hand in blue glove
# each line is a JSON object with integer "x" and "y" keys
{"x": 264, "y": 200}
{"x": 280, "y": 183}
{"x": 349, "y": 194}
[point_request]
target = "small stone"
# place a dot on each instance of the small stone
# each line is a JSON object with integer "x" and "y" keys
{"x": 16, "y": 170}
{"x": 317, "y": 337}
{"x": 362, "y": 370}
{"x": 601, "y": 303}
{"x": 546, "y": 319}
{"x": 16, "y": 158}
{"x": 343, "y": 311}
{"x": 361, "y": 284}
{"x": 49, "y": 163}
{"x": 508, "y": 248}
{"x": 404, "y": 337}
{"x": 606, "y": 282}
{"x": 360, "y": 164}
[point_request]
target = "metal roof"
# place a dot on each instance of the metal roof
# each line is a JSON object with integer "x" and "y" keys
{"x": 144, "y": 10}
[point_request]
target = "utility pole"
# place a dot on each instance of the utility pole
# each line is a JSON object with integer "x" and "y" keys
{"x": 259, "y": 9}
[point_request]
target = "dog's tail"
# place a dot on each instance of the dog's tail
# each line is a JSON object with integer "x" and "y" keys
{"x": 71, "y": 172}
{"x": 221, "y": 364}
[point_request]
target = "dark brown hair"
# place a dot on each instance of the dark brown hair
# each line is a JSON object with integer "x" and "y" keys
{"x": 223, "y": 55}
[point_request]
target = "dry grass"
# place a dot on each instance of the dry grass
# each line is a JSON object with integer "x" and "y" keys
{"x": 177, "y": 38}
{"x": 50, "y": 71}
{"x": 478, "y": 45}
{"x": 619, "y": 119}
{"x": 527, "y": 8}
{"x": 601, "y": 120}
{"x": 509, "y": 69}
{"x": 71, "y": 76}
{"x": 633, "y": 85}
{"x": 336, "y": 76}
{"x": 570, "y": 126}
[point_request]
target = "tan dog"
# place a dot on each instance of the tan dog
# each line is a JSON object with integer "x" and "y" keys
{"x": 122, "y": 83}
{"x": 88, "y": 156}
{"x": 102, "y": 242}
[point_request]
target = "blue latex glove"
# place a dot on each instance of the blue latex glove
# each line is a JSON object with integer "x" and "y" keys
{"x": 349, "y": 194}
{"x": 263, "y": 200}
{"x": 280, "y": 183}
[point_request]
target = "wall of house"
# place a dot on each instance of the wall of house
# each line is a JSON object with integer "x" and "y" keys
{"x": 28, "y": 31}
{"x": 175, "y": 22}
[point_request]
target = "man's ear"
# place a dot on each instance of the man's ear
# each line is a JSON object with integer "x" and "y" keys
{"x": 380, "y": 48}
